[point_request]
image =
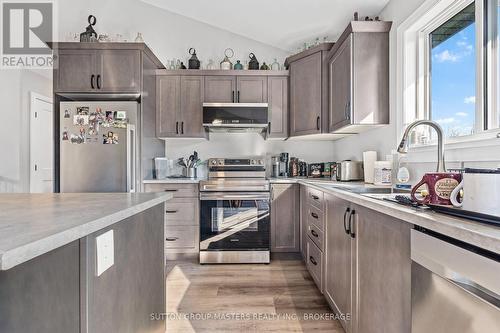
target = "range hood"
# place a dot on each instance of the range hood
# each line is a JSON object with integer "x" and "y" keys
{"x": 235, "y": 117}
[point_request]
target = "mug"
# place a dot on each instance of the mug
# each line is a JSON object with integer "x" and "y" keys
{"x": 481, "y": 192}
{"x": 440, "y": 185}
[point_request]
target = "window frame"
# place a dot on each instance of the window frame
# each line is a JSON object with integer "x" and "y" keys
{"x": 413, "y": 70}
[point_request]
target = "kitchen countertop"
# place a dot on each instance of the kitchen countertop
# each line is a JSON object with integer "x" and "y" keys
{"x": 34, "y": 224}
{"x": 479, "y": 234}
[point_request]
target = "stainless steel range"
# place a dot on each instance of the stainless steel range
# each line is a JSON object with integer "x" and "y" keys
{"x": 235, "y": 212}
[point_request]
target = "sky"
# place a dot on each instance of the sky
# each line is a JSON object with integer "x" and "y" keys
{"x": 453, "y": 83}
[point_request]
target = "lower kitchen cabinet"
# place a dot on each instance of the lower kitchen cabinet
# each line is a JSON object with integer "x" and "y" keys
{"x": 338, "y": 286}
{"x": 285, "y": 219}
{"x": 314, "y": 263}
{"x": 182, "y": 216}
{"x": 383, "y": 266}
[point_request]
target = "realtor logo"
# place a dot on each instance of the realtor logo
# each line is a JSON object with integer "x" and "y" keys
{"x": 26, "y": 27}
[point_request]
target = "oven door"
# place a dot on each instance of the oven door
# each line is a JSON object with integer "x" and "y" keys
{"x": 234, "y": 221}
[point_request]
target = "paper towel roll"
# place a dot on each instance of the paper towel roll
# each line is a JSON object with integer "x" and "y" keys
{"x": 369, "y": 158}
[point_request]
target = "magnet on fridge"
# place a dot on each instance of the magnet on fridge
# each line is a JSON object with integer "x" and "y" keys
{"x": 121, "y": 115}
{"x": 66, "y": 114}
{"x": 109, "y": 116}
{"x": 92, "y": 130}
{"x": 81, "y": 120}
{"x": 65, "y": 136}
{"x": 82, "y": 110}
{"x": 77, "y": 139}
{"x": 110, "y": 138}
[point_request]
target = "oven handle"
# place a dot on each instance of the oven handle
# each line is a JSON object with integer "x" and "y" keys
{"x": 234, "y": 196}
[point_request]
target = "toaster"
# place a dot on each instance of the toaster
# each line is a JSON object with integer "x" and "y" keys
{"x": 346, "y": 171}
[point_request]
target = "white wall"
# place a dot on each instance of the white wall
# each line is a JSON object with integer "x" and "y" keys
{"x": 168, "y": 34}
{"x": 15, "y": 88}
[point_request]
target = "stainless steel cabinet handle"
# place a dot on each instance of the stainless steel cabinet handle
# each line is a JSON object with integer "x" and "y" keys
{"x": 233, "y": 96}
{"x": 170, "y": 190}
{"x": 269, "y": 127}
{"x": 171, "y": 239}
{"x": 351, "y": 229}
{"x": 348, "y": 110}
{"x": 317, "y": 123}
{"x": 171, "y": 211}
{"x": 238, "y": 96}
{"x": 92, "y": 78}
{"x": 176, "y": 127}
{"x": 313, "y": 261}
{"x": 314, "y": 215}
{"x": 314, "y": 233}
{"x": 98, "y": 81}
{"x": 182, "y": 127}
{"x": 347, "y": 231}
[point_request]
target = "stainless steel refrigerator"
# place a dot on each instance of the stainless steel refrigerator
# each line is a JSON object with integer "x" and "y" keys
{"x": 99, "y": 146}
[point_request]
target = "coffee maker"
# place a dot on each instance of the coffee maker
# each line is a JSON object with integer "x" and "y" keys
{"x": 283, "y": 166}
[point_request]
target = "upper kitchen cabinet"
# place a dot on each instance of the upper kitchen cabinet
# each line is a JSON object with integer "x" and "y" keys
{"x": 179, "y": 112}
{"x": 277, "y": 99}
{"x": 100, "y": 67}
{"x": 220, "y": 89}
{"x": 358, "y": 78}
{"x": 308, "y": 91}
{"x": 240, "y": 88}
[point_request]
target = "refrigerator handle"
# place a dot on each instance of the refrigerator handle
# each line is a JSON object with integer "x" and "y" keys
{"x": 131, "y": 159}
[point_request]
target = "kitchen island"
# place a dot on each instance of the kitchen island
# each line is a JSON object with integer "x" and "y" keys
{"x": 49, "y": 278}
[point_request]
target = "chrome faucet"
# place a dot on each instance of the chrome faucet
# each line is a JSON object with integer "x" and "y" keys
{"x": 403, "y": 146}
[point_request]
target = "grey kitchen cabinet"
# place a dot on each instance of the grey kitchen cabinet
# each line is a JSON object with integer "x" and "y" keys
{"x": 285, "y": 219}
{"x": 235, "y": 89}
{"x": 98, "y": 70}
{"x": 383, "y": 270}
{"x": 308, "y": 91}
{"x": 182, "y": 219}
{"x": 75, "y": 70}
{"x": 119, "y": 71}
{"x": 179, "y": 106}
{"x": 277, "y": 98}
{"x": 338, "y": 253}
{"x": 358, "y": 78}
{"x": 251, "y": 89}
{"x": 220, "y": 89}
{"x": 168, "y": 98}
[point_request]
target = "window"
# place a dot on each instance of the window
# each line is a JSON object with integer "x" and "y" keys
{"x": 450, "y": 69}
{"x": 453, "y": 74}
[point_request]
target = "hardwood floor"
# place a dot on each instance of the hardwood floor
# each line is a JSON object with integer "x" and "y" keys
{"x": 279, "y": 297}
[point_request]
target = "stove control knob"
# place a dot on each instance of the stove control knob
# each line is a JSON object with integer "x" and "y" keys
{"x": 260, "y": 162}
{"x": 253, "y": 162}
{"x": 221, "y": 162}
{"x": 213, "y": 162}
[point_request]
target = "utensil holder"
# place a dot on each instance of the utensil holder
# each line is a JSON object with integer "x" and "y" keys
{"x": 191, "y": 172}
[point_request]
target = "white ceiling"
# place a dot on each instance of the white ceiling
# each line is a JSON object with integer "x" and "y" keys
{"x": 285, "y": 24}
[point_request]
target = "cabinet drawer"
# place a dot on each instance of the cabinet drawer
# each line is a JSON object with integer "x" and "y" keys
{"x": 316, "y": 217}
{"x": 316, "y": 235}
{"x": 315, "y": 197}
{"x": 182, "y": 211}
{"x": 314, "y": 263}
{"x": 181, "y": 237}
{"x": 178, "y": 190}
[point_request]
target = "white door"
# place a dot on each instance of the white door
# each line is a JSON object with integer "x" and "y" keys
{"x": 41, "y": 144}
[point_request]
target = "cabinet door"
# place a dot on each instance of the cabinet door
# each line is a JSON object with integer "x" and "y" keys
{"x": 168, "y": 98}
{"x": 338, "y": 259}
{"x": 277, "y": 97}
{"x": 220, "y": 89}
{"x": 305, "y": 95}
{"x": 303, "y": 221}
{"x": 120, "y": 71}
{"x": 383, "y": 267}
{"x": 340, "y": 86}
{"x": 285, "y": 223}
{"x": 192, "y": 90}
{"x": 251, "y": 89}
{"x": 76, "y": 71}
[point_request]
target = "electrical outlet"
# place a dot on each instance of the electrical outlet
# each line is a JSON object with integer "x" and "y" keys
{"x": 105, "y": 250}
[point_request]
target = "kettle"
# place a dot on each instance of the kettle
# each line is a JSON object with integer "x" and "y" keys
{"x": 254, "y": 63}
{"x": 193, "y": 62}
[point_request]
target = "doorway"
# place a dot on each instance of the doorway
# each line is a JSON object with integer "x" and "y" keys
{"x": 41, "y": 144}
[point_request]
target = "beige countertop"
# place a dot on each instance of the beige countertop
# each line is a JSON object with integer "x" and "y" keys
{"x": 34, "y": 224}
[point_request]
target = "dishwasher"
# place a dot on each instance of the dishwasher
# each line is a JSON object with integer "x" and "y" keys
{"x": 455, "y": 286}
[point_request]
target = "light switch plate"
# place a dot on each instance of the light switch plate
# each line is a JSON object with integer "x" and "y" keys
{"x": 105, "y": 251}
